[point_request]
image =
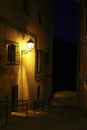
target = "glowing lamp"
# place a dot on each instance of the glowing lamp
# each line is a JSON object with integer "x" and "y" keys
{"x": 30, "y": 44}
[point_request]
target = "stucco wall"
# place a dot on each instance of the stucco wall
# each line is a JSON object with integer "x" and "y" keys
{"x": 12, "y": 20}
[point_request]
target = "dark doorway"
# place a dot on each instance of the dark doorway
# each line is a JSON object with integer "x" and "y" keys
{"x": 38, "y": 92}
{"x": 14, "y": 98}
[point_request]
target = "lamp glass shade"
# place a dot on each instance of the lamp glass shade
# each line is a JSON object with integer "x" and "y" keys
{"x": 30, "y": 44}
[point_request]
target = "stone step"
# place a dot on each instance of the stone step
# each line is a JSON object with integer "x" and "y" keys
{"x": 65, "y": 98}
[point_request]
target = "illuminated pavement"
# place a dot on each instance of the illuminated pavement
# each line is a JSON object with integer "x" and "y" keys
{"x": 61, "y": 119}
{"x": 56, "y": 118}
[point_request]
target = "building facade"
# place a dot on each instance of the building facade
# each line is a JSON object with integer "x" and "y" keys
{"x": 26, "y": 74}
{"x": 82, "y": 55}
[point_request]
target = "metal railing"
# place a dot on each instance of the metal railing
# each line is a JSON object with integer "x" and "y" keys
{"x": 10, "y": 108}
{"x": 40, "y": 105}
{"x": 7, "y": 107}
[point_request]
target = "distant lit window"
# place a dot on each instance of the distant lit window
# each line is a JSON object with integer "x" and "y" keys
{"x": 13, "y": 55}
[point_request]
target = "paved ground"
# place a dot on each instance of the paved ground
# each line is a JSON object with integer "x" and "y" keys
{"x": 59, "y": 118}
{"x": 55, "y": 118}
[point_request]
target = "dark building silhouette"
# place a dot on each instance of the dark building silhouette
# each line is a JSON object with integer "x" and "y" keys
{"x": 64, "y": 65}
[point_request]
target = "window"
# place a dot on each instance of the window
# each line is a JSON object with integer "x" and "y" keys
{"x": 39, "y": 17}
{"x": 13, "y": 54}
{"x": 83, "y": 23}
{"x": 39, "y": 64}
{"x": 25, "y": 6}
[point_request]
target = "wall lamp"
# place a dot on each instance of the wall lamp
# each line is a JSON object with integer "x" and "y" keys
{"x": 30, "y": 45}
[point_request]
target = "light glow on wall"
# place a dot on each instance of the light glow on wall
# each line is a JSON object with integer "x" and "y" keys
{"x": 26, "y": 71}
{"x": 23, "y": 84}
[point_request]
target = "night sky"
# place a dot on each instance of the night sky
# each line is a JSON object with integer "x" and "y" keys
{"x": 65, "y": 19}
{"x": 65, "y": 45}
